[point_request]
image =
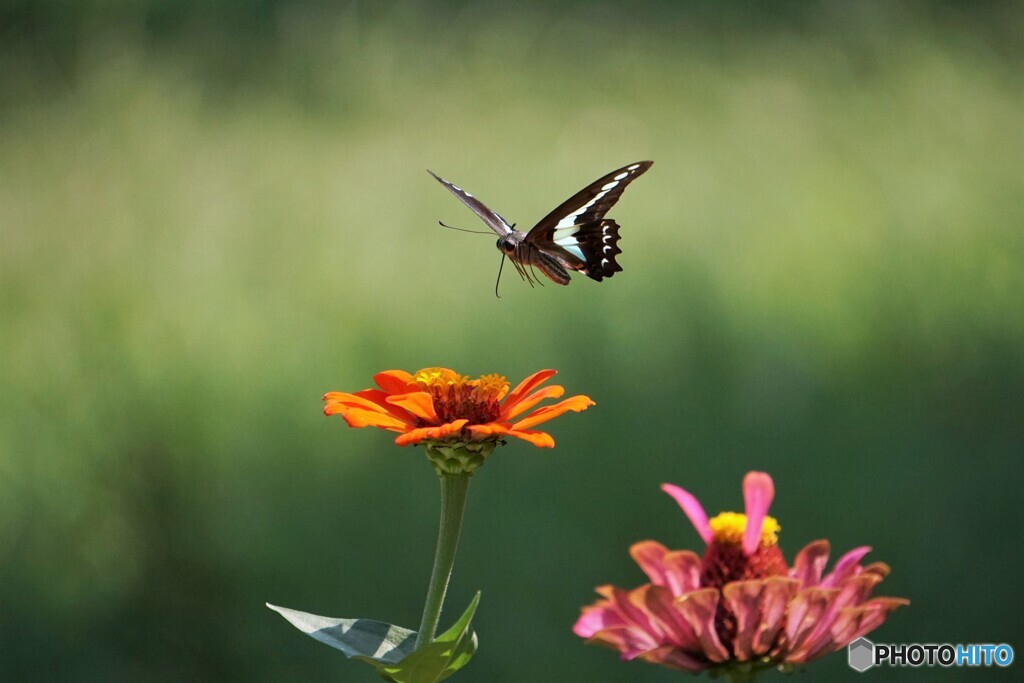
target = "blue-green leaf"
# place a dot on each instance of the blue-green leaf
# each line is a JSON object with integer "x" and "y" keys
{"x": 375, "y": 642}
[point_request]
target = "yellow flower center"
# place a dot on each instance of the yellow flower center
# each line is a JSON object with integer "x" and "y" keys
{"x": 457, "y": 396}
{"x": 728, "y": 528}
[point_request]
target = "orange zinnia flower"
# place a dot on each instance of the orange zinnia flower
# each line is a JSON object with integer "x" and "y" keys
{"x": 440, "y": 405}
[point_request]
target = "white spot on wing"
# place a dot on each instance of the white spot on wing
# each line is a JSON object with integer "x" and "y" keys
{"x": 570, "y": 220}
{"x": 610, "y": 185}
{"x": 621, "y": 175}
{"x": 575, "y": 251}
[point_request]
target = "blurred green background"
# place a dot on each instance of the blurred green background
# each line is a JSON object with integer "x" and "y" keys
{"x": 212, "y": 213}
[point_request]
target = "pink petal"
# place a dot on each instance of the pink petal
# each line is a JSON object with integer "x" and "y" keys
{"x": 640, "y": 632}
{"x": 682, "y": 570}
{"x": 650, "y": 556}
{"x": 698, "y": 609}
{"x": 673, "y": 658}
{"x": 848, "y": 565}
{"x": 843, "y": 631}
{"x": 775, "y": 599}
{"x": 852, "y": 623}
{"x": 630, "y": 642}
{"x": 857, "y": 589}
{"x": 691, "y": 506}
{"x": 596, "y": 618}
{"x": 877, "y": 611}
{"x": 743, "y": 598}
{"x": 804, "y": 614}
{"x": 630, "y": 604}
{"x": 677, "y": 570}
{"x": 879, "y": 569}
{"x": 758, "y": 492}
{"x": 760, "y": 609}
{"x": 660, "y": 603}
{"x": 853, "y": 592}
{"x": 810, "y": 563}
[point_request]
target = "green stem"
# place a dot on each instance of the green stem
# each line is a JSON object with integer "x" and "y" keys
{"x": 453, "y": 504}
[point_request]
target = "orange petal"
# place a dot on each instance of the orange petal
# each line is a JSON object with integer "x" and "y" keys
{"x": 381, "y": 398}
{"x": 356, "y": 417}
{"x": 333, "y": 396}
{"x": 418, "y": 403}
{"x": 510, "y": 411}
{"x": 338, "y": 402}
{"x": 414, "y": 436}
{"x": 525, "y": 387}
{"x": 393, "y": 381}
{"x": 538, "y": 439}
{"x": 575, "y": 404}
{"x": 489, "y": 429}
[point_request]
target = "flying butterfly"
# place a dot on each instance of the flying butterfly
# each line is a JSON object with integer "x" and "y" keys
{"x": 575, "y": 236}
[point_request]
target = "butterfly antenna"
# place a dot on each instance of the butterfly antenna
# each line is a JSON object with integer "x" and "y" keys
{"x": 452, "y": 227}
{"x": 498, "y": 281}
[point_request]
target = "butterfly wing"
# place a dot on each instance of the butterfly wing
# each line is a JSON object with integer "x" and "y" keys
{"x": 491, "y": 218}
{"x": 577, "y": 233}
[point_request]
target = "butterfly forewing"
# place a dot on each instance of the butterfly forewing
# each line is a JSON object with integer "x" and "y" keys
{"x": 592, "y": 202}
{"x": 491, "y": 218}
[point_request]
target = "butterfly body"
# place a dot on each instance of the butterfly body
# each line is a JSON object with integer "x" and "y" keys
{"x": 574, "y": 237}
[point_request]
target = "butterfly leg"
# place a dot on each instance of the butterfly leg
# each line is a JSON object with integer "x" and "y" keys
{"x": 522, "y": 271}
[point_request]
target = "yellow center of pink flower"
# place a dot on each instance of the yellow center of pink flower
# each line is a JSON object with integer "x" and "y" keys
{"x": 458, "y": 397}
{"x": 728, "y": 528}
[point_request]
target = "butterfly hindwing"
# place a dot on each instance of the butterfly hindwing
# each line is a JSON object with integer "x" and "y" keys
{"x": 589, "y": 248}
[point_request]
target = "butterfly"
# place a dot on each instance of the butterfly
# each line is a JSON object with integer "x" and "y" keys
{"x": 575, "y": 236}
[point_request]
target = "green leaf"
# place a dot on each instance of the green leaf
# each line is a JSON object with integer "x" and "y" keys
{"x": 438, "y": 660}
{"x": 374, "y": 642}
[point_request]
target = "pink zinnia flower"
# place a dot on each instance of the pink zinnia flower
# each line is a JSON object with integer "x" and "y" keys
{"x": 740, "y": 608}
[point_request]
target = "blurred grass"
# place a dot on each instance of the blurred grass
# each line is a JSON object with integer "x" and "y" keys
{"x": 204, "y": 230}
